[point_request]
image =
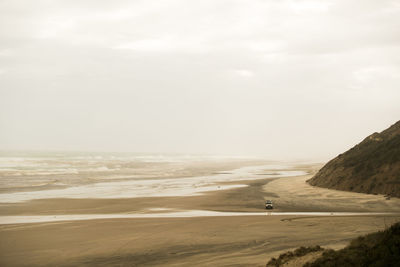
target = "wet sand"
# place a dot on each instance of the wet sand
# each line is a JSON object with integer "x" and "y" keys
{"x": 198, "y": 241}
{"x": 174, "y": 214}
{"x": 203, "y": 241}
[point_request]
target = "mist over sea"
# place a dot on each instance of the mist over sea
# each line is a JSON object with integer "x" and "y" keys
{"x": 32, "y": 175}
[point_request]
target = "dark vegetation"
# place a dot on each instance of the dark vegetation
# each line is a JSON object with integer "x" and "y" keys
{"x": 377, "y": 249}
{"x": 380, "y": 249}
{"x": 285, "y": 257}
{"x": 373, "y": 166}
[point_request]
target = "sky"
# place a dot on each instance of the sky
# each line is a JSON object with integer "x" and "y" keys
{"x": 279, "y": 79}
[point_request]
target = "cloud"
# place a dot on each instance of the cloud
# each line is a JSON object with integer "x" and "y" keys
{"x": 373, "y": 77}
{"x": 197, "y": 76}
{"x": 244, "y": 73}
{"x": 6, "y": 53}
{"x": 165, "y": 44}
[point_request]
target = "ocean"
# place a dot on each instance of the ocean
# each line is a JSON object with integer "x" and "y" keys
{"x": 27, "y": 176}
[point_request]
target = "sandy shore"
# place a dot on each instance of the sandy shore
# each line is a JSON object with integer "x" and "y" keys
{"x": 178, "y": 242}
{"x": 219, "y": 240}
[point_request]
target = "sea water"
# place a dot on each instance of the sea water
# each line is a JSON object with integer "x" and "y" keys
{"x": 30, "y": 176}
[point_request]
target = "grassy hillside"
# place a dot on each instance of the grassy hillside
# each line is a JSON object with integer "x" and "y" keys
{"x": 372, "y": 166}
{"x": 377, "y": 249}
{"x": 380, "y": 249}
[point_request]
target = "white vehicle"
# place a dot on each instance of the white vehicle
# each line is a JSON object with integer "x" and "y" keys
{"x": 269, "y": 205}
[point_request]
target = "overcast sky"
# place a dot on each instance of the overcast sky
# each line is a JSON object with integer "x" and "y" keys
{"x": 282, "y": 79}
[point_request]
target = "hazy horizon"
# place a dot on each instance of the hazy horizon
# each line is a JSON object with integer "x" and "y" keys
{"x": 277, "y": 79}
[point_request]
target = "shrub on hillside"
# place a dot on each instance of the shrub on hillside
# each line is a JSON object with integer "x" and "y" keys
{"x": 377, "y": 249}
{"x": 285, "y": 257}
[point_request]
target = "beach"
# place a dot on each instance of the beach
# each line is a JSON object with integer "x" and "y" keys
{"x": 215, "y": 216}
{"x": 195, "y": 133}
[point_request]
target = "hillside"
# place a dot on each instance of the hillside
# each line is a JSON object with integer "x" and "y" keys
{"x": 372, "y": 166}
{"x": 376, "y": 249}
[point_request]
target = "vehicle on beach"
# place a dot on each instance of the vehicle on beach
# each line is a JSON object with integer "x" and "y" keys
{"x": 269, "y": 205}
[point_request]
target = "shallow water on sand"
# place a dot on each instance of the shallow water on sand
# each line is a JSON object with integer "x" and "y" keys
{"x": 189, "y": 186}
{"x": 178, "y": 214}
{"x": 30, "y": 176}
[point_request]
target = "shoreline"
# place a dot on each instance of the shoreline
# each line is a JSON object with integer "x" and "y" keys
{"x": 290, "y": 194}
{"x": 167, "y": 187}
{"x": 4, "y": 220}
{"x": 91, "y": 171}
{"x": 180, "y": 241}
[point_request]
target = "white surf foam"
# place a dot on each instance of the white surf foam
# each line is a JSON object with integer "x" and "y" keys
{"x": 190, "y": 186}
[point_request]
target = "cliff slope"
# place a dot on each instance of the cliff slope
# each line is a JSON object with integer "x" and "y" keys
{"x": 372, "y": 166}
